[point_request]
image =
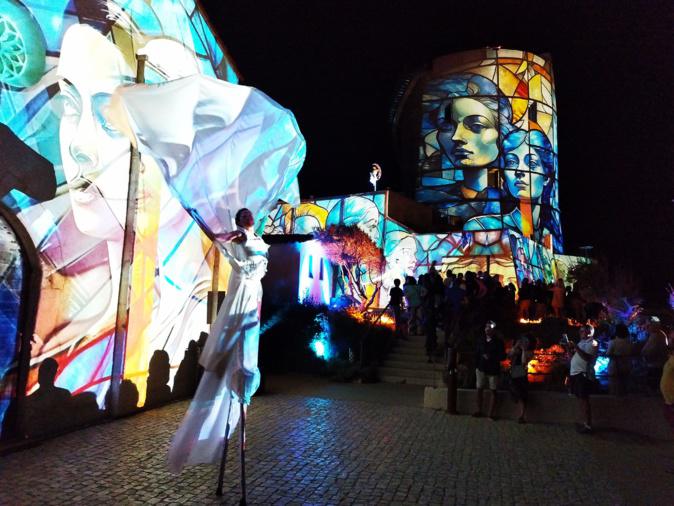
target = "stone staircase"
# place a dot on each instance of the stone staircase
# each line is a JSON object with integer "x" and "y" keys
{"x": 407, "y": 363}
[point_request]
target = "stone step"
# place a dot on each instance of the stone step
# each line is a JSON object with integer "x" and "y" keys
{"x": 417, "y": 366}
{"x": 411, "y": 381}
{"x": 413, "y": 339}
{"x": 406, "y": 372}
{"x": 409, "y": 348}
{"x": 407, "y": 357}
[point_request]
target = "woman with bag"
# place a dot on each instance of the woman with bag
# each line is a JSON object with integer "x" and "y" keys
{"x": 520, "y": 355}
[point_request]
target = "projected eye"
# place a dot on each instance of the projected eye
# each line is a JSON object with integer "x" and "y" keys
{"x": 534, "y": 162}
{"x": 65, "y": 105}
{"x": 474, "y": 126}
{"x": 511, "y": 162}
{"x": 99, "y": 103}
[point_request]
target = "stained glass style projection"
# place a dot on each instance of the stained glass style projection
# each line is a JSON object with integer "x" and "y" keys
{"x": 565, "y": 263}
{"x": 66, "y": 59}
{"x": 488, "y": 145}
{"x": 532, "y": 261}
{"x": 406, "y": 252}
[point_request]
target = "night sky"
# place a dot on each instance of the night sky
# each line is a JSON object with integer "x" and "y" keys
{"x": 337, "y": 66}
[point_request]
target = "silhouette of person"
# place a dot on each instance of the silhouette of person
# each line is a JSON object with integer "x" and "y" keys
{"x": 158, "y": 391}
{"x": 48, "y": 409}
{"x": 185, "y": 381}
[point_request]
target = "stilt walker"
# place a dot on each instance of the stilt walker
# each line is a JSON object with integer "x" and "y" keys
{"x": 221, "y": 148}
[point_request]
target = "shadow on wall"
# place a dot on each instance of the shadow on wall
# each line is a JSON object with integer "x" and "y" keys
{"x": 187, "y": 377}
{"x": 51, "y": 409}
{"x": 158, "y": 390}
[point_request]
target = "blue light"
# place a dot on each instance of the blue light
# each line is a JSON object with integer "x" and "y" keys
{"x": 320, "y": 345}
{"x": 319, "y": 348}
{"x": 601, "y": 366}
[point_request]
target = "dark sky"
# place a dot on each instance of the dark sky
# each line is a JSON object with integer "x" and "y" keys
{"x": 337, "y": 65}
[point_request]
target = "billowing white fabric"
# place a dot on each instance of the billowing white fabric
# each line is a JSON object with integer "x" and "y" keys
{"x": 221, "y": 147}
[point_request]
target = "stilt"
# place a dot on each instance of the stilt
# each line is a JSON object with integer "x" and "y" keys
{"x": 242, "y": 434}
{"x": 221, "y": 475}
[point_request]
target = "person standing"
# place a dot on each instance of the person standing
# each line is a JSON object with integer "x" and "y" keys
{"x": 582, "y": 373}
{"x": 558, "y": 298}
{"x": 524, "y": 300}
{"x": 655, "y": 352}
{"x": 413, "y": 298}
{"x": 490, "y": 352}
{"x": 396, "y": 303}
{"x": 619, "y": 352}
{"x": 520, "y": 355}
{"x": 229, "y": 357}
{"x": 455, "y": 298}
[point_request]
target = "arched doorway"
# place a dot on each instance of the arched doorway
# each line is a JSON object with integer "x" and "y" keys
{"x": 20, "y": 276}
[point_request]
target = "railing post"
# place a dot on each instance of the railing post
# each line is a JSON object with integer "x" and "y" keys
{"x": 124, "y": 296}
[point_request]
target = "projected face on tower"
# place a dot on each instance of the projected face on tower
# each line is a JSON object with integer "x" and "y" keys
{"x": 528, "y": 166}
{"x": 524, "y": 176}
{"x": 468, "y": 133}
{"x": 487, "y": 144}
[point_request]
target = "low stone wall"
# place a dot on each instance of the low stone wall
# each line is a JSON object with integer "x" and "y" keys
{"x": 636, "y": 414}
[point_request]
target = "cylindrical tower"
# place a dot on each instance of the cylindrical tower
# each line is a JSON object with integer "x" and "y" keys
{"x": 486, "y": 142}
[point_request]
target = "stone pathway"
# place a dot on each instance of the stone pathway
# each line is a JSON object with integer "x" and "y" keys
{"x": 310, "y": 450}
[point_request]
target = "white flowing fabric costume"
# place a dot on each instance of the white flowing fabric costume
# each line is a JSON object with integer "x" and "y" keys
{"x": 221, "y": 147}
{"x": 229, "y": 359}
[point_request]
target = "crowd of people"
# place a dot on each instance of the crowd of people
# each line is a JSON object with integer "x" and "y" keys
{"x": 453, "y": 304}
{"x": 460, "y": 303}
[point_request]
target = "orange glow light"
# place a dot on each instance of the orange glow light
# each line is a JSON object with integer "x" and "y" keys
{"x": 530, "y": 322}
{"x": 385, "y": 320}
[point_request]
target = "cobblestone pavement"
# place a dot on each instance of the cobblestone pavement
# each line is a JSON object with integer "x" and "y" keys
{"x": 308, "y": 450}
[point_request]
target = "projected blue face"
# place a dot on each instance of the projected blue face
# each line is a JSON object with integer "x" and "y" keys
{"x": 468, "y": 133}
{"x": 524, "y": 173}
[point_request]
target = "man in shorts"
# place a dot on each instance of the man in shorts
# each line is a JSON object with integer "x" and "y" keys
{"x": 582, "y": 374}
{"x": 490, "y": 351}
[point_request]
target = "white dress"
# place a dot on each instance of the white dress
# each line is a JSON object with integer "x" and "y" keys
{"x": 229, "y": 359}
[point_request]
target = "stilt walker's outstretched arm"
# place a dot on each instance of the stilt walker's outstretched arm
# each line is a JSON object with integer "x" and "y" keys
{"x": 223, "y": 460}
{"x": 243, "y": 454}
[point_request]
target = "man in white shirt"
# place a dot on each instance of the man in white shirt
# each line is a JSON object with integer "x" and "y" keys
{"x": 582, "y": 372}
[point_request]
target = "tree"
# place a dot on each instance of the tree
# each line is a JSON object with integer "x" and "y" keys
{"x": 615, "y": 286}
{"x": 360, "y": 261}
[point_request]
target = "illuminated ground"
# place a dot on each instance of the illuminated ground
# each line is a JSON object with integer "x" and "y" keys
{"x": 360, "y": 444}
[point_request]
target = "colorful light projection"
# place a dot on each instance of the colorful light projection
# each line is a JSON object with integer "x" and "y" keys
{"x": 489, "y": 143}
{"x": 406, "y": 253}
{"x": 532, "y": 261}
{"x": 320, "y": 344}
{"x": 11, "y": 287}
{"x": 316, "y": 274}
{"x": 67, "y": 59}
